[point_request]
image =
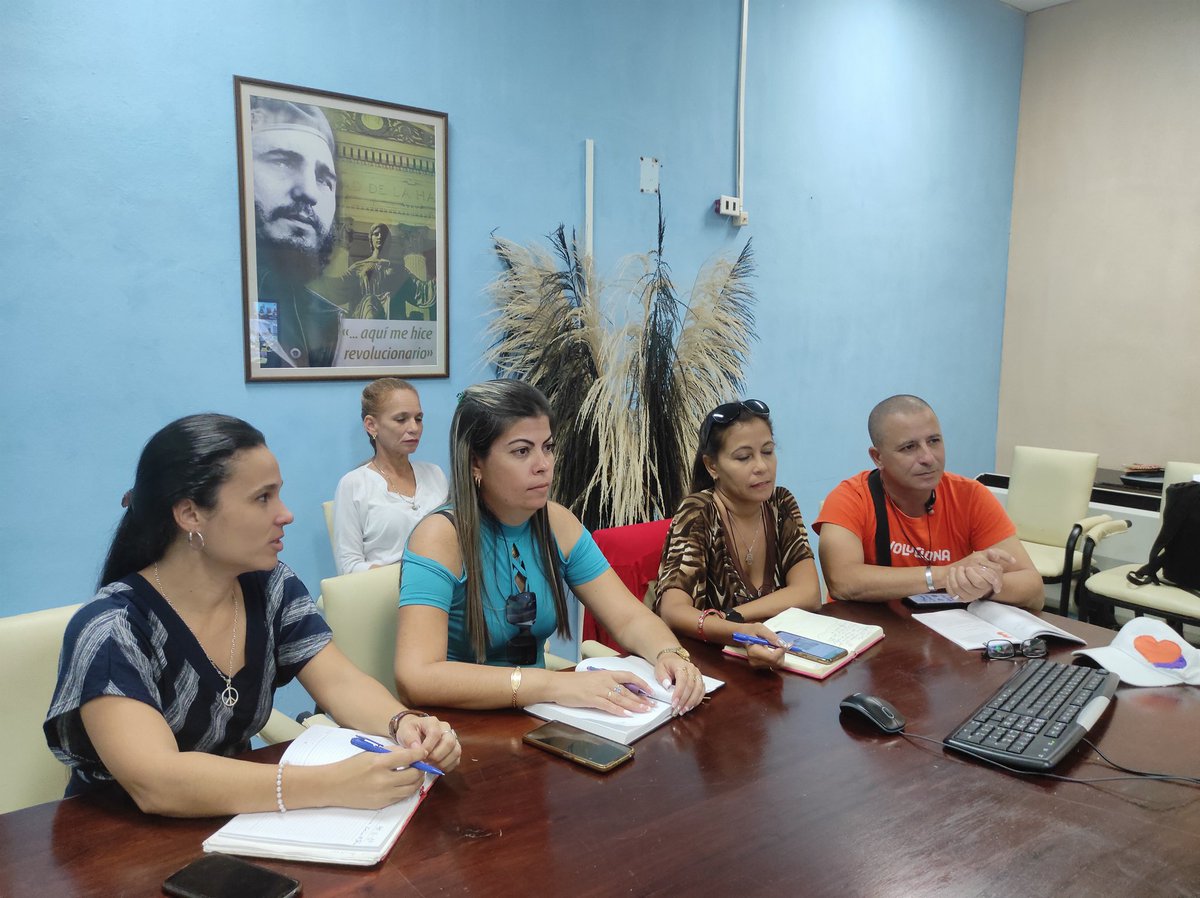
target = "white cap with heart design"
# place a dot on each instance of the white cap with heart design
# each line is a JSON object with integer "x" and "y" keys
{"x": 1146, "y": 652}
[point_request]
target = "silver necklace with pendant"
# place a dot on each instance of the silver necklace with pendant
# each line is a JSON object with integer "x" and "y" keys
{"x": 229, "y": 695}
{"x": 411, "y": 503}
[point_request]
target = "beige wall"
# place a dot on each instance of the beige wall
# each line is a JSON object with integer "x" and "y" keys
{"x": 1102, "y": 320}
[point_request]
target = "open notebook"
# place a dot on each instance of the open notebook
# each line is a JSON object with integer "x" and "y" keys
{"x": 982, "y": 621}
{"x": 330, "y": 835}
{"x": 620, "y": 729}
{"x": 854, "y": 637}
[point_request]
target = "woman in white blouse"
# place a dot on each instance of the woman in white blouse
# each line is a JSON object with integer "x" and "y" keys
{"x": 378, "y": 504}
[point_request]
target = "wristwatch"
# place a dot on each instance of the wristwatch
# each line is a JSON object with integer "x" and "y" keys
{"x": 678, "y": 650}
{"x": 735, "y": 616}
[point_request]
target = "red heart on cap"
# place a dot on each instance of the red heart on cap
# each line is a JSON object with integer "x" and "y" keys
{"x": 1157, "y": 651}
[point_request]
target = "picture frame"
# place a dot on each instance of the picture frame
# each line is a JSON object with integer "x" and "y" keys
{"x": 343, "y": 209}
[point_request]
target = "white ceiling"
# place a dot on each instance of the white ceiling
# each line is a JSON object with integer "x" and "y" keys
{"x": 1033, "y": 5}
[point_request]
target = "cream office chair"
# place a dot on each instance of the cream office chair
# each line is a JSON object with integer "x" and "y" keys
{"x": 1111, "y": 588}
{"x": 30, "y": 645}
{"x": 361, "y": 609}
{"x": 1048, "y": 495}
{"x": 29, "y": 648}
{"x": 327, "y": 507}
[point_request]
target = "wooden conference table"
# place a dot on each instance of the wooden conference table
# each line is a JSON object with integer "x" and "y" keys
{"x": 763, "y": 791}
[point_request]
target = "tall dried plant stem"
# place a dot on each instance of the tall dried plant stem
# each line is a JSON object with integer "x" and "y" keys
{"x": 628, "y": 402}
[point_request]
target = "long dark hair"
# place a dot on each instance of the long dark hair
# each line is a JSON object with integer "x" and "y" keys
{"x": 485, "y": 411}
{"x": 187, "y": 459}
{"x": 712, "y": 446}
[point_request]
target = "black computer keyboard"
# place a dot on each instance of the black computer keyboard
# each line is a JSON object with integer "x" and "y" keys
{"x": 1038, "y": 716}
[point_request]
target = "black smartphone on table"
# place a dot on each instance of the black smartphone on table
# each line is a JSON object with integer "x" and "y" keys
{"x": 226, "y": 876}
{"x": 574, "y": 744}
{"x": 933, "y": 601}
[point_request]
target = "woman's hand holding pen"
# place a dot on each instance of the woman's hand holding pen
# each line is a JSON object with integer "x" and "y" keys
{"x": 689, "y": 684}
{"x": 763, "y": 656}
{"x": 605, "y": 690}
{"x": 436, "y": 740}
{"x": 366, "y": 780}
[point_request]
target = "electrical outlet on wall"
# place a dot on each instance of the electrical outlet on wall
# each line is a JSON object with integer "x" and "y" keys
{"x": 648, "y": 182}
{"x": 728, "y": 205}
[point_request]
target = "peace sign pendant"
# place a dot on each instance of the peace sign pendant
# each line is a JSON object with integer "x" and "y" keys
{"x": 229, "y": 696}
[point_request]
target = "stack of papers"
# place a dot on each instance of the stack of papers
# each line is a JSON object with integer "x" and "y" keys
{"x": 331, "y": 835}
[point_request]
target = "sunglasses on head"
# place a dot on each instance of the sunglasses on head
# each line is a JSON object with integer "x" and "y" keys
{"x": 728, "y": 413}
{"x": 520, "y": 610}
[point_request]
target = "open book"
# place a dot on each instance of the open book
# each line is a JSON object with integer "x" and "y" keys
{"x": 854, "y": 637}
{"x": 619, "y": 729}
{"x": 330, "y": 835}
{"x": 974, "y": 626}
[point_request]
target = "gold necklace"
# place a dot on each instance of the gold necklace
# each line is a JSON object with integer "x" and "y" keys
{"x": 229, "y": 695}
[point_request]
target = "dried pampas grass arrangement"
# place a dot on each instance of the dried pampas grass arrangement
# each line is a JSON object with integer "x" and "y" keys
{"x": 629, "y": 393}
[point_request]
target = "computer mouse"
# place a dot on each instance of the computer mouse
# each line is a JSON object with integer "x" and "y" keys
{"x": 879, "y": 711}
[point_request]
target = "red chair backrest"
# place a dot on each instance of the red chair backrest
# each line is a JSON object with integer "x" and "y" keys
{"x": 633, "y": 552}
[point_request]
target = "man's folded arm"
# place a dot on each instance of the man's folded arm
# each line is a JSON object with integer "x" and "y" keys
{"x": 849, "y": 577}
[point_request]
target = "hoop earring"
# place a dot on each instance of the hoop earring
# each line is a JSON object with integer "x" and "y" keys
{"x": 200, "y": 547}
{"x": 478, "y": 481}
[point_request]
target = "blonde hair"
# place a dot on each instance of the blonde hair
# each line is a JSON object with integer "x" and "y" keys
{"x": 376, "y": 392}
{"x": 485, "y": 411}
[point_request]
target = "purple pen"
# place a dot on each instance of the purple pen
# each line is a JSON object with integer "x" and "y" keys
{"x": 636, "y": 690}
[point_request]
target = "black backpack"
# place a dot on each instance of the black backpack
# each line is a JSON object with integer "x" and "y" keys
{"x": 1176, "y": 550}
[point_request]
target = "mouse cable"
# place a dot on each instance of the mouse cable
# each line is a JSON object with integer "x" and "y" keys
{"x": 1146, "y": 773}
{"x": 1054, "y": 776}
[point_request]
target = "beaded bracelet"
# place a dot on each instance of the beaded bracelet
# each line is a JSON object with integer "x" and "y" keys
{"x": 394, "y": 723}
{"x": 700, "y": 623}
{"x": 279, "y": 788}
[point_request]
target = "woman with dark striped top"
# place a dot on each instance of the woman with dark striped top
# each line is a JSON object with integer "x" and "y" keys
{"x": 172, "y": 667}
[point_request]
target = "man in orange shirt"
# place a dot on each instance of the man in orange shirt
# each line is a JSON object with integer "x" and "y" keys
{"x": 942, "y": 531}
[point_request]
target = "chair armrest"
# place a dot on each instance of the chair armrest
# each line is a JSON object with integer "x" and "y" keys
{"x": 1095, "y": 520}
{"x": 317, "y": 720}
{"x": 554, "y": 662}
{"x": 593, "y": 649}
{"x": 1106, "y": 529}
{"x": 1094, "y": 536}
{"x": 279, "y": 728}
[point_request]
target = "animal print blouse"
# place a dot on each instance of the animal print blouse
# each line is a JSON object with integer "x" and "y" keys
{"x": 697, "y": 557}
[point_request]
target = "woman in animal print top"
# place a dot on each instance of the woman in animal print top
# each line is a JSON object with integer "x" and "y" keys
{"x": 738, "y": 551}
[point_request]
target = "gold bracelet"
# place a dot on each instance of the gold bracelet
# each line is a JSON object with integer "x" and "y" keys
{"x": 394, "y": 723}
{"x": 515, "y": 681}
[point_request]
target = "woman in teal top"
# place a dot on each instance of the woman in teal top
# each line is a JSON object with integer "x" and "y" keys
{"x": 482, "y": 582}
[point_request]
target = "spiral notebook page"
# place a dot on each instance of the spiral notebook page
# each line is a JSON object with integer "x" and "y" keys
{"x": 332, "y": 827}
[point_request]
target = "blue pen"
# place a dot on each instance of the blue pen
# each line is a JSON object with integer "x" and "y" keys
{"x": 371, "y": 745}
{"x": 747, "y": 639}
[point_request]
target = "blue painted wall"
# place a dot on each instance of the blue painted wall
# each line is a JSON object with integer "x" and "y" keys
{"x": 880, "y": 145}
